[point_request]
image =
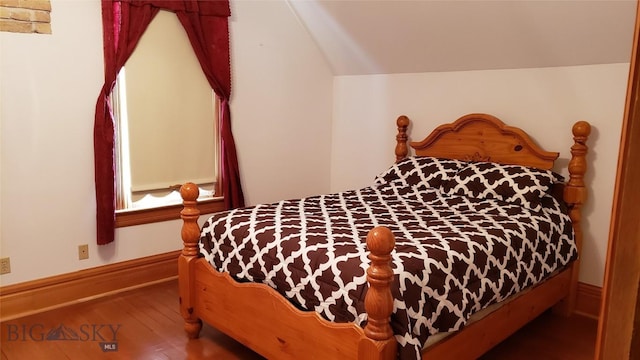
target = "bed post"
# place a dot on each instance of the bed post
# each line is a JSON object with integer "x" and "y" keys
{"x": 401, "y": 138}
{"x": 379, "y": 343}
{"x": 575, "y": 194}
{"x": 190, "y": 235}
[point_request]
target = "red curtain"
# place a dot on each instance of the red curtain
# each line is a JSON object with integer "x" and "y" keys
{"x": 209, "y": 38}
{"x": 124, "y": 22}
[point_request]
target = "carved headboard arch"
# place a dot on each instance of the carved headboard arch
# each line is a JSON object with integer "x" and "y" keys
{"x": 479, "y": 137}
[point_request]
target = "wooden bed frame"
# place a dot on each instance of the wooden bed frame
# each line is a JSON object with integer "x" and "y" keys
{"x": 260, "y": 318}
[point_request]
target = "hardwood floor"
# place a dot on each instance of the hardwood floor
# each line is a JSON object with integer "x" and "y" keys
{"x": 146, "y": 324}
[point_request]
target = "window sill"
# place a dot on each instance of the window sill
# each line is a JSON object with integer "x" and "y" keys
{"x": 164, "y": 213}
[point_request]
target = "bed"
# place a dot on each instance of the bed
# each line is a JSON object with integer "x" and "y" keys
{"x": 506, "y": 254}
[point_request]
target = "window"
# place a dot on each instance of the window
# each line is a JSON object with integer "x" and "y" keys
{"x": 163, "y": 108}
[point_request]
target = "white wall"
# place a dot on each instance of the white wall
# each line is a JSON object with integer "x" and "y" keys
{"x": 49, "y": 86}
{"x": 281, "y": 103}
{"x": 545, "y": 102}
{"x": 48, "y": 90}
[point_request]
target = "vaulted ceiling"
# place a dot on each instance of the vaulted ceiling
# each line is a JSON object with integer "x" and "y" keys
{"x": 394, "y": 36}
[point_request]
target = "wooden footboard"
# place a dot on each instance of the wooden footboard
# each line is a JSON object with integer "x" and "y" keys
{"x": 260, "y": 318}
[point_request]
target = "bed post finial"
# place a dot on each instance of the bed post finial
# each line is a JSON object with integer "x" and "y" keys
{"x": 190, "y": 236}
{"x": 379, "y": 343}
{"x": 575, "y": 194}
{"x": 378, "y": 301}
{"x": 401, "y": 139}
{"x": 189, "y": 214}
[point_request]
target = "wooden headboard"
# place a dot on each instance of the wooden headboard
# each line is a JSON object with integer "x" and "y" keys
{"x": 482, "y": 137}
{"x": 477, "y": 137}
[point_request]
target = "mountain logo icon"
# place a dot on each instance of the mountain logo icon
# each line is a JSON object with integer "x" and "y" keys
{"x": 62, "y": 333}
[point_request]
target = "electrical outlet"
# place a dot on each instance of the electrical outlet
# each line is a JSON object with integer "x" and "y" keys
{"x": 83, "y": 252}
{"x": 5, "y": 266}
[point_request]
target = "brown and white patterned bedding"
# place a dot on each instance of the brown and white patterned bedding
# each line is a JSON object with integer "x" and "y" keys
{"x": 467, "y": 235}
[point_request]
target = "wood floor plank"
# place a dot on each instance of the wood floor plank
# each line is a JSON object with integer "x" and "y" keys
{"x": 550, "y": 337}
{"x": 148, "y": 325}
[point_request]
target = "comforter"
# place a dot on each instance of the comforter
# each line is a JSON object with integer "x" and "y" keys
{"x": 463, "y": 242}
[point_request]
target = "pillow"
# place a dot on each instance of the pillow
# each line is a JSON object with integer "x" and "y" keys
{"x": 420, "y": 169}
{"x": 514, "y": 184}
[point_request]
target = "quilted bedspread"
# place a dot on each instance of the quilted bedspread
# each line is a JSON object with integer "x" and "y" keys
{"x": 454, "y": 255}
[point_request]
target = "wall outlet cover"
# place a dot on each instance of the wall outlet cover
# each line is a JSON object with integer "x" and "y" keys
{"x": 83, "y": 252}
{"x": 5, "y": 266}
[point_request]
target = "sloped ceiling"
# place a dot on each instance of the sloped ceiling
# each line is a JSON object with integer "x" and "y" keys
{"x": 393, "y": 36}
